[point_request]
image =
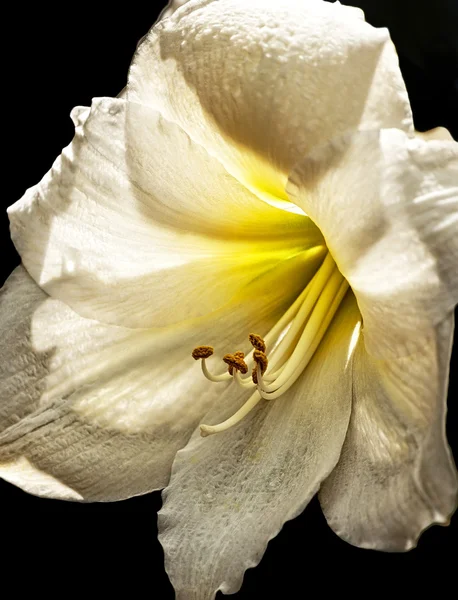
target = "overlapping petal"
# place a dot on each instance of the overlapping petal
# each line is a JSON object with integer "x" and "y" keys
{"x": 387, "y": 205}
{"x": 260, "y": 83}
{"x": 97, "y": 412}
{"x": 230, "y": 493}
{"x": 395, "y": 476}
{"x": 136, "y": 225}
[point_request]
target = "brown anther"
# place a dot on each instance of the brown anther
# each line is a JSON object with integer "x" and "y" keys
{"x": 236, "y": 362}
{"x": 254, "y": 374}
{"x": 260, "y": 359}
{"x": 257, "y": 342}
{"x": 202, "y": 352}
{"x": 237, "y": 354}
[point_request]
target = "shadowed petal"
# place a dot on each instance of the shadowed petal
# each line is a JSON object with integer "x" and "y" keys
{"x": 230, "y": 493}
{"x": 96, "y": 412}
{"x": 388, "y": 208}
{"x": 396, "y": 475}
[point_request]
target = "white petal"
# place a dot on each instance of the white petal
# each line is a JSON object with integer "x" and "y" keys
{"x": 388, "y": 208}
{"x": 230, "y": 493}
{"x": 138, "y": 226}
{"x": 97, "y": 412}
{"x": 396, "y": 475}
{"x": 438, "y": 133}
{"x": 260, "y": 83}
{"x": 171, "y": 7}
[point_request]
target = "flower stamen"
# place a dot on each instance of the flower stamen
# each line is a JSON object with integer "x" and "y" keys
{"x": 257, "y": 342}
{"x": 236, "y": 362}
{"x": 237, "y": 355}
{"x": 202, "y": 353}
{"x": 294, "y": 339}
{"x": 261, "y": 363}
{"x": 236, "y": 417}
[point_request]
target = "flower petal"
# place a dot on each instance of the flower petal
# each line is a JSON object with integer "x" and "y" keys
{"x": 388, "y": 208}
{"x": 438, "y": 133}
{"x": 125, "y": 234}
{"x": 97, "y": 412}
{"x": 171, "y": 7}
{"x": 396, "y": 474}
{"x": 230, "y": 493}
{"x": 260, "y": 83}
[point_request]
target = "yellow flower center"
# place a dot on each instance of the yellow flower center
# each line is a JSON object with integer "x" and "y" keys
{"x": 292, "y": 342}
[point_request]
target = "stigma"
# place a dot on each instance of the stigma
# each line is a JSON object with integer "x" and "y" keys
{"x": 277, "y": 360}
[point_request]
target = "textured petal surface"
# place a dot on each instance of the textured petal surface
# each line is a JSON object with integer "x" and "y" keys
{"x": 396, "y": 475}
{"x": 136, "y": 225}
{"x": 388, "y": 208}
{"x": 230, "y": 493}
{"x": 96, "y": 412}
{"x": 260, "y": 83}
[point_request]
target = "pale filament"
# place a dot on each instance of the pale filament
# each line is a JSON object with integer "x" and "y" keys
{"x": 244, "y": 383}
{"x": 214, "y": 378}
{"x": 303, "y": 327}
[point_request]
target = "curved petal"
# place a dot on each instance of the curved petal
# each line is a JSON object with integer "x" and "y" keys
{"x": 138, "y": 226}
{"x": 438, "y": 133}
{"x": 97, "y": 412}
{"x": 395, "y": 476}
{"x": 171, "y": 7}
{"x": 230, "y": 493}
{"x": 388, "y": 208}
{"x": 260, "y": 83}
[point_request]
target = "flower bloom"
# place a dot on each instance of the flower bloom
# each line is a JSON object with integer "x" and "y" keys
{"x": 258, "y": 195}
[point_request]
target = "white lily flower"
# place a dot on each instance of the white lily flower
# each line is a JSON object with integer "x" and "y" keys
{"x": 260, "y": 175}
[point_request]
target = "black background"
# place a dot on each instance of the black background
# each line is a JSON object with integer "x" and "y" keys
{"x": 56, "y": 59}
